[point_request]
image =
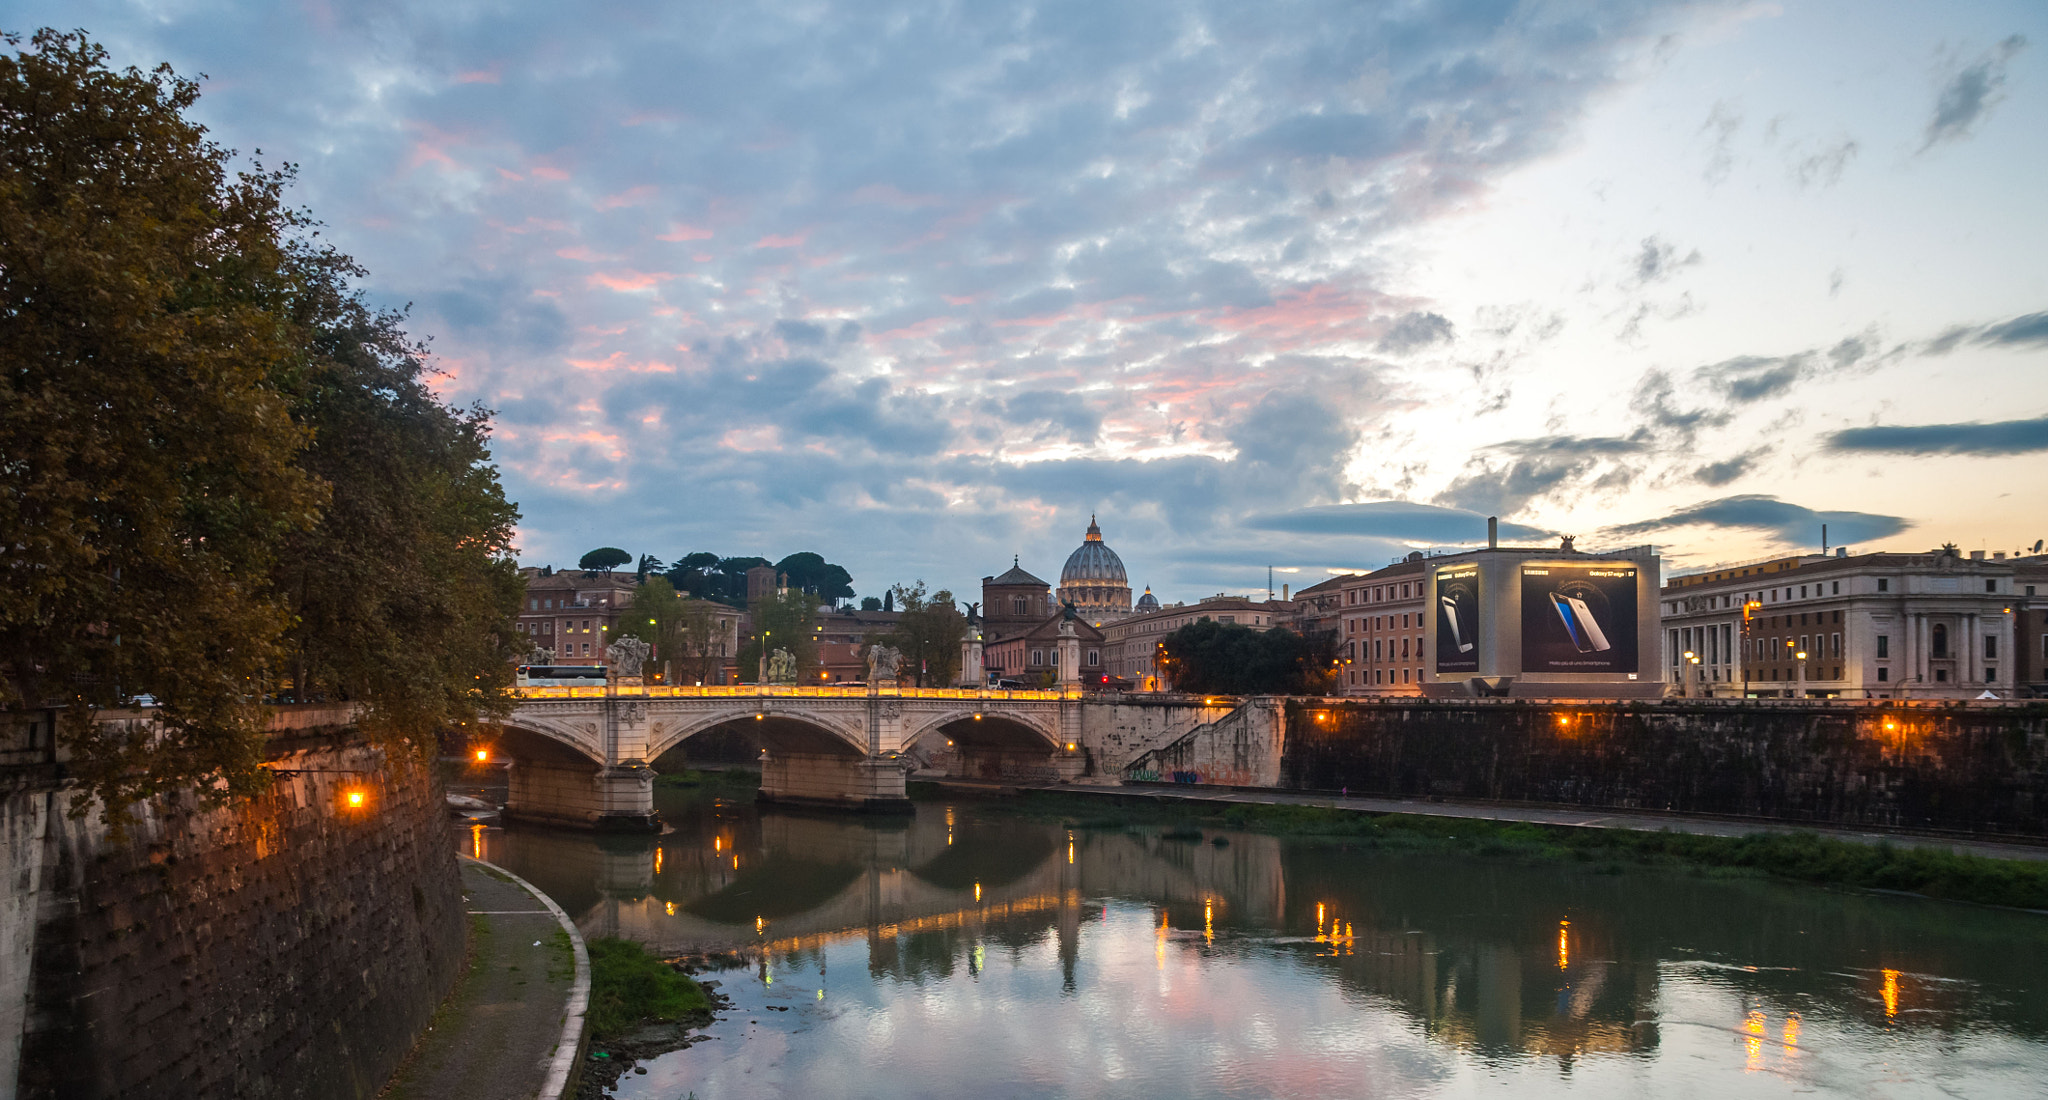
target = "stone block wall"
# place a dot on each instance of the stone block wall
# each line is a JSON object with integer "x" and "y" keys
{"x": 1241, "y": 749}
{"x": 1118, "y": 733}
{"x": 553, "y": 794}
{"x": 1966, "y": 767}
{"x": 285, "y": 946}
{"x": 826, "y": 780}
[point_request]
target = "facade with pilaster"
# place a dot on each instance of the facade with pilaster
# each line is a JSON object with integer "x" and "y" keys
{"x": 1935, "y": 625}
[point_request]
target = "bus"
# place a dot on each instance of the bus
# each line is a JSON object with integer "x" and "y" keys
{"x": 563, "y": 676}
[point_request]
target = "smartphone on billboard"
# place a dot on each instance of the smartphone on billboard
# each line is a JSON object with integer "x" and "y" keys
{"x": 1451, "y": 620}
{"x": 1579, "y": 623}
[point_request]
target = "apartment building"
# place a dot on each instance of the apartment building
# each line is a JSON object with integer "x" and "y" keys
{"x": 1935, "y": 625}
{"x": 1381, "y": 629}
{"x": 574, "y": 614}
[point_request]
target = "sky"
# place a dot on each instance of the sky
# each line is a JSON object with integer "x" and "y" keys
{"x": 1300, "y": 285}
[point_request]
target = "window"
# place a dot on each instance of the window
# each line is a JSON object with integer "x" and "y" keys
{"x": 1404, "y": 647}
{"x": 1991, "y": 586}
{"x": 1883, "y": 674}
{"x": 1226, "y": 618}
{"x": 1802, "y": 591}
{"x": 533, "y": 605}
{"x": 1835, "y": 645}
{"x": 1884, "y": 645}
{"x": 1990, "y": 673}
{"x": 1990, "y": 648}
{"x": 1838, "y": 616}
{"x": 1941, "y": 675}
{"x": 586, "y": 648}
{"x": 1940, "y": 640}
{"x": 1038, "y": 656}
{"x": 1835, "y": 589}
{"x": 2030, "y": 590}
{"x": 1404, "y": 675}
{"x": 1094, "y": 657}
{"x": 1884, "y": 584}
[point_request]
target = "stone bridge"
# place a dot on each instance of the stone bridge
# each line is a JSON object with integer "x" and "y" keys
{"x": 583, "y": 756}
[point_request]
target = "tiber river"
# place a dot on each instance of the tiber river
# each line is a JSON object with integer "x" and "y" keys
{"x": 976, "y": 952}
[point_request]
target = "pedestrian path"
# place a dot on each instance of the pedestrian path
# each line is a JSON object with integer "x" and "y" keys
{"x": 1541, "y": 815}
{"x": 514, "y": 1025}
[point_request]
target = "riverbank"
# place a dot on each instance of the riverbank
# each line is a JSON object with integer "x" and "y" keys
{"x": 641, "y": 1007}
{"x": 1988, "y": 873}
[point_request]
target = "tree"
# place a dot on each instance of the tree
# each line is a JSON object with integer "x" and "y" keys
{"x": 786, "y": 620}
{"x": 197, "y": 420}
{"x": 693, "y": 574}
{"x": 1229, "y": 659}
{"x": 870, "y": 603}
{"x": 648, "y": 564}
{"x": 604, "y": 559}
{"x": 817, "y": 576}
{"x": 928, "y": 634}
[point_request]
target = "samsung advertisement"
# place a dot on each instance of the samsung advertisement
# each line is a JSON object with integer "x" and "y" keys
{"x": 1579, "y": 618}
{"x": 1457, "y": 618}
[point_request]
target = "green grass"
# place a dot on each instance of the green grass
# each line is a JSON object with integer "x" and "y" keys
{"x": 629, "y": 987}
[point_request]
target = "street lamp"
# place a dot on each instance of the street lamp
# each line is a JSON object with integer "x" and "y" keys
{"x": 1685, "y": 671}
{"x": 1693, "y": 660}
{"x": 1801, "y": 655}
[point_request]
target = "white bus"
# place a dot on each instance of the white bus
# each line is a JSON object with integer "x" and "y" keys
{"x": 565, "y": 676}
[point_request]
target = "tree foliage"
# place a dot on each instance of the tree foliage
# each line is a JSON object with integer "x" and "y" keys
{"x": 813, "y": 574}
{"x": 928, "y": 634}
{"x": 1230, "y": 659}
{"x": 785, "y": 620}
{"x": 604, "y": 559}
{"x": 222, "y": 477}
{"x": 684, "y": 632}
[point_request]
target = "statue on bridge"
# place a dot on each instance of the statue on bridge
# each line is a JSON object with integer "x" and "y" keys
{"x": 782, "y": 667}
{"x": 627, "y": 655}
{"x": 882, "y": 663}
{"x": 539, "y": 655}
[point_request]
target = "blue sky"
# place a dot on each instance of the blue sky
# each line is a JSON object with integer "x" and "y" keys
{"x": 920, "y": 286}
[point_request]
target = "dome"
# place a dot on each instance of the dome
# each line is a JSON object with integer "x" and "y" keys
{"x": 1093, "y": 563}
{"x": 1094, "y": 580}
{"x": 1148, "y": 602}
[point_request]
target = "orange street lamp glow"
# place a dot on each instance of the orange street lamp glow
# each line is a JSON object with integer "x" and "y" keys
{"x": 482, "y": 755}
{"x": 355, "y": 799}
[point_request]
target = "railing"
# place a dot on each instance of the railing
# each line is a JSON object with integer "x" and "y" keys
{"x": 790, "y": 691}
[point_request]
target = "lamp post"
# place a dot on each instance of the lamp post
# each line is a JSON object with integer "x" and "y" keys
{"x": 761, "y": 666}
{"x": 1693, "y": 667}
{"x": 1801, "y": 656}
{"x": 1685, "y": 673}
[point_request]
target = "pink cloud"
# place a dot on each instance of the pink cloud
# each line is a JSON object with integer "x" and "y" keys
{"x": 632, "y": 196}
{"x": 630, "y": 280}
{"x": 549, "y": 172}
{"x": 479, "y": 76}
{"x": 683, "y": 231}
{"x": 702, "y": 257}
{"x": 795, "y": 240}
{"x": 581, "y": 253}
{"x": 617, "y": 361}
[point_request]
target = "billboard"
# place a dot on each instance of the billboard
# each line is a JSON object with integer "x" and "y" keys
{"x": 1457, "y": 618}
{"x": 1579, "y": 617}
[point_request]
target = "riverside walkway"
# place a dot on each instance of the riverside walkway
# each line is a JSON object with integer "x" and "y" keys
{"x": 513, "y": 1027}
{"x": 1576, "y": 817}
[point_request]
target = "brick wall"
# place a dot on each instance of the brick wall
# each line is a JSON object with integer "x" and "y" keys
{"x": 1977, "y": 768}
{"x": 285, "y": 946}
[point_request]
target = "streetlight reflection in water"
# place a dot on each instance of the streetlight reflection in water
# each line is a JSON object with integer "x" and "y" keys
{"x": 947, "y": 925}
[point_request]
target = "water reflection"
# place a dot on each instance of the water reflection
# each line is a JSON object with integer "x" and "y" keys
{"x": 1053, "y": 961}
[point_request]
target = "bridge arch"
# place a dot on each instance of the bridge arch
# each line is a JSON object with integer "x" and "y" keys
{"x": 988, "y": 728}
{"x": 781, "y": 729}
{"x": 554, "y": 743}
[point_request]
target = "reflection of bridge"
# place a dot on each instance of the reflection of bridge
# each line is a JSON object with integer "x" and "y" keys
{"x": 582, "y": 755}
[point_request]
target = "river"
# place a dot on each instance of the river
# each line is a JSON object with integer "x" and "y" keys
{"x": 978, "y": 951}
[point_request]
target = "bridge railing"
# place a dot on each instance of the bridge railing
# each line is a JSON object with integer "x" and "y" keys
{"x": 794, "y": 691}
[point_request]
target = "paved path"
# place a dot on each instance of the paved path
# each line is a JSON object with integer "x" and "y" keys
{"x": 1542, "y": 815}
{"x": 511, "y": 1029}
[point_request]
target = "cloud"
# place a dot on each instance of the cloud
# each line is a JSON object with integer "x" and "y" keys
{"x": 1396, "y": 520}
{"x": 1508, "y": 477}
{"x": 1785, "y": 522}
{"x": 2020, "y": 331}
{"x": 1970, "y": 94}
{"x": 1717, "y": 474}
{"x": 1415, "y": 331}
{"x": 2008, "y": 437}
{"x": 1658, "y": 259}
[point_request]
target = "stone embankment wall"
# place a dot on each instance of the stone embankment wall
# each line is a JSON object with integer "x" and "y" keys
{"x": 1968, "y": 767}
{"x": 287, "y": 945}
{"x": 1240, "y": 749}
{"x": 1117, "y": 733}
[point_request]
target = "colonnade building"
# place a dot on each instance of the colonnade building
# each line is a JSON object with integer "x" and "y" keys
{"x": 1937, "y": 625}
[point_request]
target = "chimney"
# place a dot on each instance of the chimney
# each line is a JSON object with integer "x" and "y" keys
{"x": 1283, "y": 589}
{"x": 1976, "y": 555}
{"x": 1493, "y": 532}
{"x": 1823, "y": 540}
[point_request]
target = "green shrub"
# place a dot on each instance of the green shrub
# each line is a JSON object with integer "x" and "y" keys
{"x": 629, "y": 987}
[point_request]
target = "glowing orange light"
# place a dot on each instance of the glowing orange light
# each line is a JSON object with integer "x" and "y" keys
{"x": 657, "y": 861}
{"x": 1070, "y": 746}
{"x": 355, "y": 799}
{"x": 671, "y": 909}
{"x": 717, "y": 844}
{"x": 1891, "y": 993}
{"x": 1208, "y": 922}
{"x": 476, "y": 841}
{"x": 1792, "y": 1034}
{"x": 977, "y": 891}
{"x": 759, "y": 924}
{"x": 1564, "y": 944}
{"x": 1753, "y": 1042}
{"x": 482, "y": 755}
